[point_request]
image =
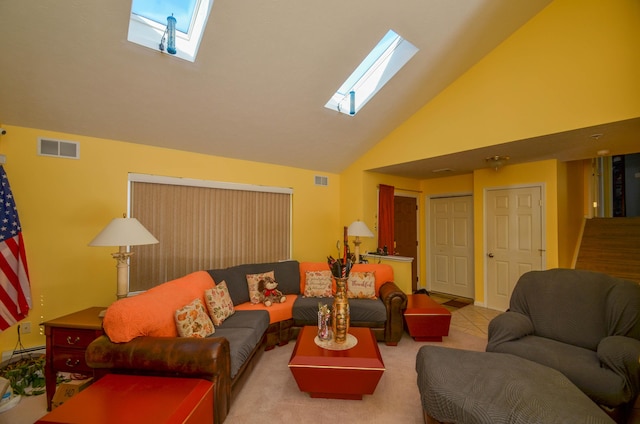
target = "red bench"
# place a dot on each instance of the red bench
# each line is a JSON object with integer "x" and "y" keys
{"x": 119, "y": 398}
{"x": 425, "y": 319}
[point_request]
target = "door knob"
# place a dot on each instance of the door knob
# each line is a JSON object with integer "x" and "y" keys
{"x": 490, "y": 255}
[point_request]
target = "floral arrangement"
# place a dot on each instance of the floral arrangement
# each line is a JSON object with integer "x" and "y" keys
{"x": 323, "y": 309}
{"x": 341, "y": 267}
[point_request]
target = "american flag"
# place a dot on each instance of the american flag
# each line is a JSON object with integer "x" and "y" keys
{"x": 15, "y": 289}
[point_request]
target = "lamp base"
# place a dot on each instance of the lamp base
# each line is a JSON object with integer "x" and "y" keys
{"x": 122, "y": 257}
{"x": 356, "y": 250}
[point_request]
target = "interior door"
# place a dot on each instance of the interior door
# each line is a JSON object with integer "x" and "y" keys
{"x": 513, "y": 240}
{"x": 451, "y": 246}
{"x": 406, "y": 232}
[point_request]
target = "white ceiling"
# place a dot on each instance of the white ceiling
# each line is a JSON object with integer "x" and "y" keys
{"x": 257, "y": 90}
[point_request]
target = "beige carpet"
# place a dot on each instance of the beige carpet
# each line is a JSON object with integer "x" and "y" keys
{"x": 273, "y": 396}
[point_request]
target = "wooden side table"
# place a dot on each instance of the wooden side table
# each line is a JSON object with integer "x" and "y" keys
{"x": 427, "y": 321}
{"x": 67, "y": 339}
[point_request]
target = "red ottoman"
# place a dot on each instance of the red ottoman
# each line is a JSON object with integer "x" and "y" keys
{"x": 426, "y": 319}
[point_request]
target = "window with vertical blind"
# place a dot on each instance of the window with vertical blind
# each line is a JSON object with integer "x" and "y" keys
{"x": 205, "y": 225}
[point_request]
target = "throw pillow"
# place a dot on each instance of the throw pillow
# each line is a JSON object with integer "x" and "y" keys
{"x": 192, "y": 320}
{"x": 318, "y": 284}
{"x": 361, "y": 285}
{"x": 219, "y": 303}
{"x": 253, "y": 280}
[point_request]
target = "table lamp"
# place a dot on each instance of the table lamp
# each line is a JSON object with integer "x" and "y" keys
{"x": 358, "y": 229}
{"x": 123, "y": 232}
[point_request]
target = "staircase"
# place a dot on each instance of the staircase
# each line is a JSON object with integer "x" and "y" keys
{"x": 611, "y": 246}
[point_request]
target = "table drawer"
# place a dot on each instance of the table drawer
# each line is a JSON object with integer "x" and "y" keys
{"x": 70, "y": 360}
{"x": 73, "y": 338}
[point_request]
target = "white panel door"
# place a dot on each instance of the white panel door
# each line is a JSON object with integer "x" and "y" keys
{"x": 451, "y": 246}
{"x": 514, "y": 240}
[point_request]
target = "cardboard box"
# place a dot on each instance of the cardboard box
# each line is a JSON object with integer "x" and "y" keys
{"x": 66, "y": 390}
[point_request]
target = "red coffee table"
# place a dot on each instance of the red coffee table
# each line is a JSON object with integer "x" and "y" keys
{"x": 337, "y": 374}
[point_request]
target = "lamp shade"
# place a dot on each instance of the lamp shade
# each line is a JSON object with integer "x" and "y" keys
{"x": 359, "y": 229}
{"x": 124, "y": 232}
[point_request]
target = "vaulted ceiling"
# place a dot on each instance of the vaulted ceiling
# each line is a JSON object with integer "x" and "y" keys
{"x": 258, "y": 87}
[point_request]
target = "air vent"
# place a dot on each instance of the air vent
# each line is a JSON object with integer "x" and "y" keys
{"x": 58, "y": 148}
{"x": 321, "y": 181}
{"x": 442, "y": 170}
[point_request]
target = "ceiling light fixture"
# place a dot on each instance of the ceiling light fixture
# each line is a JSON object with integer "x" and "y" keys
{"x": 496, "y": 162}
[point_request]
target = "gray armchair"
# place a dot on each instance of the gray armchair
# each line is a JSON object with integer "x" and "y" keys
{"x": 582, "y": 323}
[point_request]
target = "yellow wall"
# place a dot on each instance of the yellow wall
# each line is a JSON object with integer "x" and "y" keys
{"x": 64, "y": 203}
{"x": 571, "y": 205}
{"x": 573, "y": 65}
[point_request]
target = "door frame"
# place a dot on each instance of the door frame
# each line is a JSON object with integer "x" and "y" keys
{"x": 405, "y": 193}
{"x": 427, "y": 226}
{"x": 543, "y": 227}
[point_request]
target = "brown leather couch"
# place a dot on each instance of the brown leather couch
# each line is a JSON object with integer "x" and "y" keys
{"x": 222, "y": 358}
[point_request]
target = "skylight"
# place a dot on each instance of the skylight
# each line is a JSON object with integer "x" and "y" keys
{"x": 148, "y": 22}
{"x": 380, "y": 65}
{"x": 158, "y": 11}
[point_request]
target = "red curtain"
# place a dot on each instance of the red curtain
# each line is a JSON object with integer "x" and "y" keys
{"x": 385, "y": 217}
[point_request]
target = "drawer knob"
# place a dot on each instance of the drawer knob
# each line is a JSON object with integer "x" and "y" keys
{"x": 72, "y": 342}
{"x": 71, "y": 363}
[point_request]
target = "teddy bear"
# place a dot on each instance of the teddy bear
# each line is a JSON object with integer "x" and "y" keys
{"x": 269, "y": 289}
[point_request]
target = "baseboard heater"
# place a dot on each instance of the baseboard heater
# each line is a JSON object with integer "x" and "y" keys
{"x": 36, "y": 350}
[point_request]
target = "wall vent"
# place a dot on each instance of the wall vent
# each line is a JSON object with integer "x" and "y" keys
{"x": 321, "y": 181}
{"x": 58, "y": 148}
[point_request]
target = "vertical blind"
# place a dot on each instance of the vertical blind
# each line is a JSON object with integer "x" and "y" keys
{"x": 202, "y": 228}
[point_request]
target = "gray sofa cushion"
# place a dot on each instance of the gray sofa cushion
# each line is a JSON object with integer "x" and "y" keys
{"x": 236, "y": 283}
{"x": 243, "y": 330}
{"x": 241, "y": 344}
{"x": 258, "y": 320}
{"x": 367, "y": 310}
{"x": 286, "y": 273}
{"x": 305, "y": 309}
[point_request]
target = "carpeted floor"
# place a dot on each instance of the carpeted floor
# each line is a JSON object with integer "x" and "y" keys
{"x": 273, "y": 396}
